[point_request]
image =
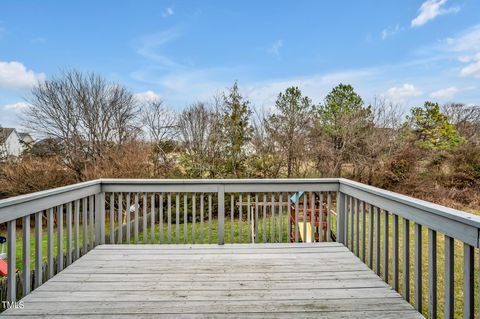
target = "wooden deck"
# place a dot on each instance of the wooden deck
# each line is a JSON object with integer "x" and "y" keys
{"x": 212, "y": 281}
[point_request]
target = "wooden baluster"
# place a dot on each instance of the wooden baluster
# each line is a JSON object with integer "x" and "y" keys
{"x": 264, "y": 217}
{"x": 221, "y": 213}
{"x": 364, "y": 231}
{"x": 377, "y": 241}
{"x": 26, "y": 255}
{"x": 169, "y": 218}
{"x": 240, "y": 213}
{"x": 297, "y": 199}
{"x": 160, "y": 240}
{"x": 371, "y": 219}
{"x": 185, "y": 218}
{"x": 85, "y": 224}
{"x": 449, "y": 277}
{"x": 468, "y": 281}
{"x": 312, "y": 219}
{"x": 135, "y": 220}
{"x": 417, "y": 266}
{"x": 144, "y": 218}
{"x": 386, "y": 239}
{"x": 112, "y": 218}
{"x": 395, "y": 252}
{"x": 38, "y": 250}
{"x": 352, "y": 224}
{"x": 92, "y": 222}
{"x": 357, "y": 227}
{"x": 60, "y": 238}
{"x": 280, "y": 218}
{"x": 127, "y": 219}
{"x": 209, "y": 218}
{"x": 320, "y": 218}
{"x": 120, "y": 218}
{"x": 68, "y": 221}
{"x": 201, "y": 218}
{"x": 194, "y": 217}
{"x": 152, "y": 218}
{"x": 272, "y": 226}
{"x": 232, "y": 218}
{"x": 406, "y": 259}
{"x": 50, "y": 238}
{"x": 177, "y": 218}
{"x": 249, "y": 226}
{"x": 289, "y": 216}
{"x": 329, "y": 217}
{"x": 256, "y": 219}
{"x": 432, "y": 273}
{"x": 305, "y": 217}
{"x": 12, "y": 261}
{"x": 76, "y": 228}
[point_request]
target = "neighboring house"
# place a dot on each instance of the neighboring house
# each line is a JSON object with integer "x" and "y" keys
{"x": 13, "y": 143}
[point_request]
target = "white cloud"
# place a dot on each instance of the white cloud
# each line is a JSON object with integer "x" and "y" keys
{"x": 431, "y": 9}
{"x": 275, "y": 48}
{"x": 147, "y": 96}
{"x": 167, "y": 12}
{"x": 16, "y": 106}
{"x": 403, "y": 92}
{"x": 150, "y": 47}
{"x": 15, "y": 75}
{"x": 446, "y": 93}
{"x": 467, "y": 44}
{"x": 388, "y": 32}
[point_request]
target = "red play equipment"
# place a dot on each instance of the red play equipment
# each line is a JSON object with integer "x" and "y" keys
{"x": 3, "y": 262}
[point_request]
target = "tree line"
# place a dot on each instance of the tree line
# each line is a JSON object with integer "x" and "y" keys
{"x": 94, "y": 128}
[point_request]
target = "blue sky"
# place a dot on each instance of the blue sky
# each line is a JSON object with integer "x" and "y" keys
{"x": 406, "y": 51}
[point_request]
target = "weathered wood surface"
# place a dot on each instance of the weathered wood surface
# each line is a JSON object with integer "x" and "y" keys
{"x": 210, "y": 281}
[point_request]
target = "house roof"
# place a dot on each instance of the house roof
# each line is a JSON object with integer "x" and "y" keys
{"x": 23, "y": 135}
{"x": 5, "y": 133}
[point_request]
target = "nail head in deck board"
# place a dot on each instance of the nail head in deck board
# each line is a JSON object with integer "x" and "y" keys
{"x": 278, "y": 280}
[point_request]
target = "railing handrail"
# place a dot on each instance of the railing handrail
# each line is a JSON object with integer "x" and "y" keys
{"x": 454, "y": 223}
{"x": 23, "y": 205}
{"x": 220, "y": 181}
{"x": 444, "y": 211}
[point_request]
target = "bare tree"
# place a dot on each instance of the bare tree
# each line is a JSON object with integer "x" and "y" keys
{"x": 466, "y": 118}
{"x": 160, "y": 124}
{"x": 200, "y": 133}
{"x": 84, "y": 112}
{"x": 264, "y": 156}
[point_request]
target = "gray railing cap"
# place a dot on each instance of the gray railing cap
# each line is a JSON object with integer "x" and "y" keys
{"x": 444, "y": 211}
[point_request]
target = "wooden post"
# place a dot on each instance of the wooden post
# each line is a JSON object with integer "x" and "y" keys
{"x": 340, "y": 218}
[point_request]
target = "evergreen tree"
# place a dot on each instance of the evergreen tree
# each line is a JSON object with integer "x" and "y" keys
{"x": 237, "y": 130}
{"x": 432, "y": 128}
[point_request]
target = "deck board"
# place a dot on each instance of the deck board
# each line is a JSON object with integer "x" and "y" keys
{"x": 211, "y": 281}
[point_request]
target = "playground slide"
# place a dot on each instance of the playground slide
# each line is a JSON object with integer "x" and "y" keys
{"x": 309, "y": 232}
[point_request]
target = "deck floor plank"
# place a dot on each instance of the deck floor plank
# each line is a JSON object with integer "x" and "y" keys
{"x": 323, "y": 280}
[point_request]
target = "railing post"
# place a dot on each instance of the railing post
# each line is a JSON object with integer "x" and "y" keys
{"x": 221, "y": 214}
{"x": 340, "y": 218}
{"x": 99, "y": 218}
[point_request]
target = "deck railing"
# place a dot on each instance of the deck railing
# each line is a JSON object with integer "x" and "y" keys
{"x": 373, "y": 223}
